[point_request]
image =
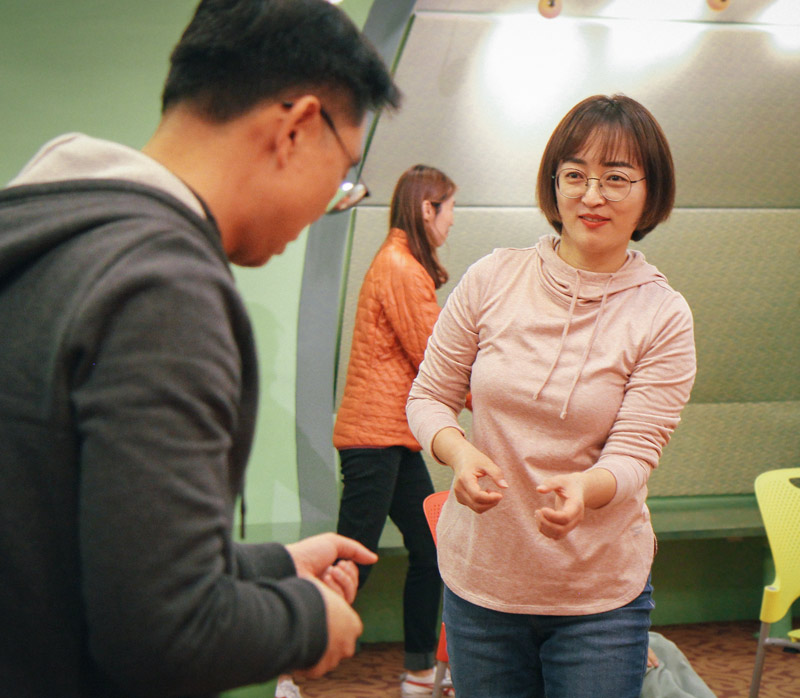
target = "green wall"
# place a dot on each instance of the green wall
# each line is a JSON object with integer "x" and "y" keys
{"x": 85, "y": 65}
{"x": 98, "y": 66}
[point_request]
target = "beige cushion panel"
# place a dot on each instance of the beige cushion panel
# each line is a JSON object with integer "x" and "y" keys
{"x": 720, "y": 448}
{"x": 738, "y": 270}
{"x": 485, "y": 83}
{"x": 484, "y": 92}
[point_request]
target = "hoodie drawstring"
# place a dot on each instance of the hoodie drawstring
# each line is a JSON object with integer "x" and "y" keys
{"x": 564, "y": 334}
{"x": 567, "y": 324}
{"x": 575, "y": 380}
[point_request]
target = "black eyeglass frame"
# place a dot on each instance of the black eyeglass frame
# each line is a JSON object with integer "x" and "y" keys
{"x": 350, "y": 193}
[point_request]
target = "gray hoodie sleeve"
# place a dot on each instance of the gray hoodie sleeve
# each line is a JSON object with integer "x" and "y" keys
{"x": 256, "y": 560}
{"x": 173, "y": 606}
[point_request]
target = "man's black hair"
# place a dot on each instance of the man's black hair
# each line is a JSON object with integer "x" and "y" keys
{"x": 235, "y": 54}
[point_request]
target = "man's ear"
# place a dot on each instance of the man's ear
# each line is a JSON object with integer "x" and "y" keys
{"x": 300, "y": 124}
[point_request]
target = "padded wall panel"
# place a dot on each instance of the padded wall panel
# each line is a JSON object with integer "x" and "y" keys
{"x": 485, "y": 83}
{"x": 484, "y": 92}
{"x": 477, "y": 231}
{"x": 720, "y": 448}
{"x": 738, "y": 270}
{"x": 738, "y": 11}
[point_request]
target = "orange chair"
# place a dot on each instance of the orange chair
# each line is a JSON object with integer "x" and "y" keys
{"x": 433, "y": 506}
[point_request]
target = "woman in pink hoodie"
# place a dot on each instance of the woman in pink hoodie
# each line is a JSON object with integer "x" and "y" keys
{"x": 580, "y": 358}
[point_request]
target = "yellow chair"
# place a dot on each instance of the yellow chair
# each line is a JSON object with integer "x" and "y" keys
{"x": 778, "y": 496}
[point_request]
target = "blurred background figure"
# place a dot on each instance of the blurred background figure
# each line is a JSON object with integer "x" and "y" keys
{"x": 383, "y": 471}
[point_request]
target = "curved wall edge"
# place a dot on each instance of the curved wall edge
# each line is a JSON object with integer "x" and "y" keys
{"x": 318, "y": 319}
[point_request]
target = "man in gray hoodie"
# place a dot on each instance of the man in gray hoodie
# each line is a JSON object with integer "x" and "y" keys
{"x": 129, "y": 387}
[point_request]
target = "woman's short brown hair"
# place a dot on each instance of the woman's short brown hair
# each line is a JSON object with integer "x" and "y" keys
{"x": 620, "y": 124}
{"x": 417, "y": 184}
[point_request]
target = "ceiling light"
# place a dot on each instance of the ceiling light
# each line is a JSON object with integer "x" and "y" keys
{"x": 718, "y": 4}
{"x": 550, "y": 8}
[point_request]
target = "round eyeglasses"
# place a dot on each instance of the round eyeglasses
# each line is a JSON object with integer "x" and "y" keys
{"x": 612, "y": 185}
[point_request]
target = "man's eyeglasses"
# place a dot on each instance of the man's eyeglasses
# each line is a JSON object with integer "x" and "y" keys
{"x": 349, "y": 193}
{"x": 612, "y": 185}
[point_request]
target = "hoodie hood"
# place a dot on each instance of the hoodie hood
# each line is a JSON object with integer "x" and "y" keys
{"x": 567, "y": 282}
{"x": 77, "y": 156}
{"x": 578, "y": 288}
{"x": 60, "y": 184}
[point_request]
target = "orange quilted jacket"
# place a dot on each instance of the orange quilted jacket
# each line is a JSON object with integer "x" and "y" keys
{"x": 396, "y": 312}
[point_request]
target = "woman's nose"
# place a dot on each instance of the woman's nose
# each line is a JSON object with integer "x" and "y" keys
{"x": 593, "y": 194}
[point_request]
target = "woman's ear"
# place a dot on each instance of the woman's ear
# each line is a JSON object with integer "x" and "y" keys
{"x": 428, "y": 212}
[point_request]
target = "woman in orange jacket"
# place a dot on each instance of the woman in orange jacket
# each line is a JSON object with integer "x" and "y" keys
{"x": 382, "y": 468}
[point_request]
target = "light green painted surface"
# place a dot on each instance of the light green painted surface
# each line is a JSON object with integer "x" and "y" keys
{"x": 357, "y": 10}
{"x": 95, "y": 66}
{"x": 272, "y": 295}
{"x": 98, "y": 66}
{"x": 266, "y": 690}
{"x": 380, "y": 601}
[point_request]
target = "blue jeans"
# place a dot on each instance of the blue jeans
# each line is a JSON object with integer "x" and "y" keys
{"x": 393, "y": 482}
{"x": 509, "y": 655}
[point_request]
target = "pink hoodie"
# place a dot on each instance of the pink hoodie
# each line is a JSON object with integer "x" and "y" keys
{"x": 569, "y": 370}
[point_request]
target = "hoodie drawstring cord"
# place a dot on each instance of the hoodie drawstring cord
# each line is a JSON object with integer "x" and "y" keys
{"x": 563, "y": 414}
{"x": 567, "y": 324}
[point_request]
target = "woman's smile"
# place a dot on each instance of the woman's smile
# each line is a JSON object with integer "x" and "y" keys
{"x": 593, "y": 221}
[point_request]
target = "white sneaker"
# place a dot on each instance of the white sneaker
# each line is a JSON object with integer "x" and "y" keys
{"x": 287, "y": 688}
{"x": 423, "y": 686}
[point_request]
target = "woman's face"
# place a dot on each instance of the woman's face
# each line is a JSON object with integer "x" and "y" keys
{"x": 596, "y": 231}
{"x": 438, "y": 222}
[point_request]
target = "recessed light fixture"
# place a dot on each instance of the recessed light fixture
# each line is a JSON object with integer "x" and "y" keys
{"x": 550, "y": 8}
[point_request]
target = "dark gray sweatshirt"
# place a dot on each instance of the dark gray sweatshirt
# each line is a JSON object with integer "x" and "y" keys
{"x": 127, "y": 403}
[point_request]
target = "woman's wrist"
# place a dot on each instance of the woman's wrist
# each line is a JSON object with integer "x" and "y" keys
{"x": 599, "y": 487}
{"x": 447, "y": 444}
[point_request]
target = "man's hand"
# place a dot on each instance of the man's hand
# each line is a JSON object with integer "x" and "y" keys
{"x": 343, "y": 579}
{"x": 344, "y": 628}
{"x": 328, "y": 561}
{"x": 315, "y": 555}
